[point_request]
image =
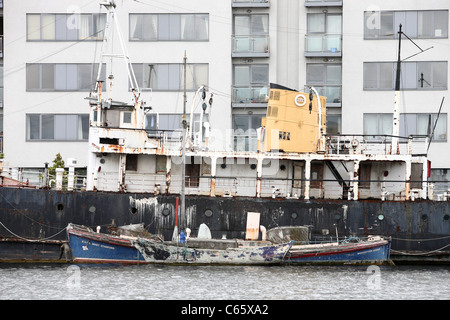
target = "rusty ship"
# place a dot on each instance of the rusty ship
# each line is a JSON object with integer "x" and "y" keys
{"x": 298, "y": 176}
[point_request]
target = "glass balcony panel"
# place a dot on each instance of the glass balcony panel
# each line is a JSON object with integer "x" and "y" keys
{"x": 251, "y": 44}
{"x": 325, "y": 44}
{"x": 251, "y": 94}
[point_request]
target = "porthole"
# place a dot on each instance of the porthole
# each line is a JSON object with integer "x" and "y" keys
{"x": 446, "y": 217}
{"x": 133, "y": 210}
{"x": 253, "y": 166}
{"x": 208, "y": 213}
{"x": 424, "y": 217}
{"x": 294, "y": 215}
{"x": 60, "y": 207}
{"x": 166, "y": 212}
{"x": 92, "y": 209}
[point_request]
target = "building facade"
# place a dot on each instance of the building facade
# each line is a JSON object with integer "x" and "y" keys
{"x": 346, "y": 49}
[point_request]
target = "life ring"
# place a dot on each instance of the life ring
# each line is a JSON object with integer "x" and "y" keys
{"x": 300, "y": 100}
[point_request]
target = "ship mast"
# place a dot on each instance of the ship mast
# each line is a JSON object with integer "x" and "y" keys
{"x": 396, "y": 119}
{"x": 395, "y": 149}
{"x": 111, "y": 23}
{"x": 183, "y": 152}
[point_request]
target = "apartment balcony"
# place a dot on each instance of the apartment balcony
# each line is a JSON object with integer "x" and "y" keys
{"x": 253, "y": 46}
{"x": 255, "y": 96}
{"x": 323, "y": 45}
{"x": 333, "y": 94}
{"x": 323, "y": 3}
{"x": 250, "y": 4}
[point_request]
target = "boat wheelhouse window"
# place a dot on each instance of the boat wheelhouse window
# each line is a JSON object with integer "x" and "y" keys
{"x": 57, "y": 127}
{"x": 169, "y": 27}
{"x": 131, "y": 162}
{"x": 415, "y": 75}
{"x": 426, "y": 24}
{"x": 65, "y": 27}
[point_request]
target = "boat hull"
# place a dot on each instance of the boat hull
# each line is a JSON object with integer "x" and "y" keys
{"x": 90, "y": 247}
{"x": 419, "y": 227}
{"x": 377, "y": 252}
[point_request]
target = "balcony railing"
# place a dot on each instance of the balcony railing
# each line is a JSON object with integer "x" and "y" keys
{"x": 323, "y": 45}
{"x": 253, "y": 94}
{"x": 323, "y": 3}
{"x": 333, "y": 94}
{"x": 250, "y": 4}
{"x": 251, "y": 46}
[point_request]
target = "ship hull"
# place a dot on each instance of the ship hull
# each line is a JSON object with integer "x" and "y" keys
{"x": 421, "y": 227}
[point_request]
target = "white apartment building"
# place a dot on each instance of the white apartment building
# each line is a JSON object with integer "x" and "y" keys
{"x": 236, "y": 48}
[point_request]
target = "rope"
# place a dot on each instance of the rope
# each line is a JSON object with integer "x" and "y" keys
{"x": 31, "y": 240}
{"x": 419, "y": 240}
{"x": 420, "y": 254}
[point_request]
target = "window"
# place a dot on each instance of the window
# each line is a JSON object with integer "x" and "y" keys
{"x": 415, "y": 24}
{"x": 170, "y": 77}
{"x": 65, "y": 27}
{"x": 327, "y": 79}
{"x": 410, "y": 124}
{"x": 169, "y": 27}
{"x": 334, "y": 123}
{"x": 423, "y": 124}
{"x": 244, "y": 127}
{"x": 250, "y": 83}
{"x": 61, "y": 77}
{"x": 431, "y": 75}
{"x": 324, "y": 32}
{"x": 61, "y": 127}
{"x": 131, "y": 162}
{"x": 251, "y": 33}
{"x": 378, "y": 124}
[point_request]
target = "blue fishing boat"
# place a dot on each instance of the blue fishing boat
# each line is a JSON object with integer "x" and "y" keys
{"x": 88, "y": 246}
{"x": 373, "y": 250}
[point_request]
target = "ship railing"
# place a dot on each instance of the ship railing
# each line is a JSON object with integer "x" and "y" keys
{"x": 330, "y": 238}
{"x": 375, "y": 144}
{"x": 272, "y": 187}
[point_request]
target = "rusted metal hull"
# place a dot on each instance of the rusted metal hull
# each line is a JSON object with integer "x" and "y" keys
{"x": 90, "y": 247}
{"x": 421, "y": 227}
{"x": 15, "y": 250}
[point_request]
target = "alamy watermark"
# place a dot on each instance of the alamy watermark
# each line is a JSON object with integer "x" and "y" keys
{"x": 73, "y": 280}
{"x": 374, "y": 279}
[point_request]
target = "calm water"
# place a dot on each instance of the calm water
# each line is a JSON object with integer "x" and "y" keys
{"x": 155, "y": 282}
